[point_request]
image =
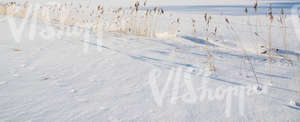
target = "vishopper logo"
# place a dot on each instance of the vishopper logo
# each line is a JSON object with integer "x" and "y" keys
{"x": 184, "y": 89}
{"x": 55, "y": 21}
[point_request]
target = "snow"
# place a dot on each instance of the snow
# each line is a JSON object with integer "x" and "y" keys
{"x": 68, "y": 78}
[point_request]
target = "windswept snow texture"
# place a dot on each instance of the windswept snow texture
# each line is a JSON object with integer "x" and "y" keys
{"x": 70, "y": 79}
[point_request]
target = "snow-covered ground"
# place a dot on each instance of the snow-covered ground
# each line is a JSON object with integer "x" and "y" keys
{"x": 122, "y": 78}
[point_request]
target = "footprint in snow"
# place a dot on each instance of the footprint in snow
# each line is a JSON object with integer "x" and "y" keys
{"x": 44, "y": 76}
{"x": 23, "y": 65}
{"x": 3, "y": 82}
{"x": 16, "y": 75}
{"x": 73, "y": 90}
{"x": 102, "y": 108}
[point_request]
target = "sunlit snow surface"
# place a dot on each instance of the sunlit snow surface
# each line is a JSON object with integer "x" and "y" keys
{"x": 67, "y": 78}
